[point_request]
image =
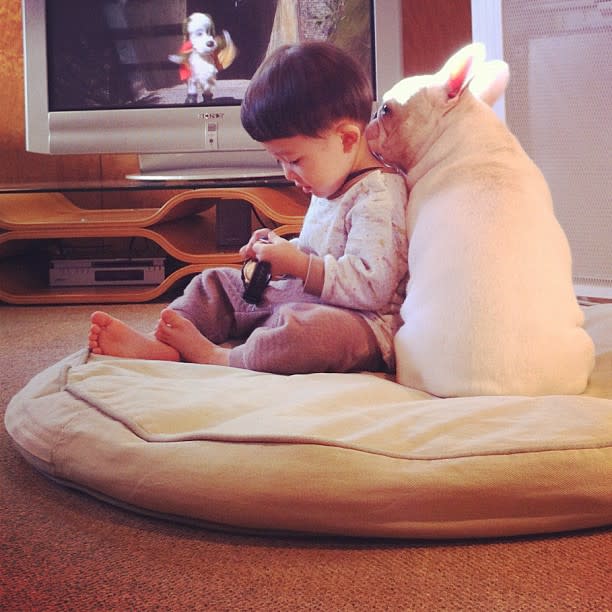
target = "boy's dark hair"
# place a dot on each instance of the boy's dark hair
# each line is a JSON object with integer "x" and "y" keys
{"x": 303, "y": 89}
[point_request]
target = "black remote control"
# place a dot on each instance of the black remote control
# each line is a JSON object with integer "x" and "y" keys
{"x": 255, "y": 276}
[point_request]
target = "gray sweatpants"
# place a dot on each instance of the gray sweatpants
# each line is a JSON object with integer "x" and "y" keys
{"x": 288, "y": 332}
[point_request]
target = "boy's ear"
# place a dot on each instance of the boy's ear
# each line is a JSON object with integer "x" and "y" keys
{"x": 350, "y": 133}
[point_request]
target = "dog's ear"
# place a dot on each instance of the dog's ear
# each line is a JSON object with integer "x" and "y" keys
{"x": 490, "y": 82}
{"x": 226, "y": 49}
{"x": 460, "y": 67}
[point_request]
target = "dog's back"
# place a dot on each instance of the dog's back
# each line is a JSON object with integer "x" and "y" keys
{"x": 490, "y": 307}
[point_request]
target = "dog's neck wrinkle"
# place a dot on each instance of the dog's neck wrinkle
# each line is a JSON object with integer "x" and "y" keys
{"x": 428, "y": 102}
{"x": 429, "y": 154}
{"x": 446, "y": 141}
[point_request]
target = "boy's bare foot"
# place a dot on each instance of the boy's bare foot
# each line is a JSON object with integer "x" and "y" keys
{"x": 110, "y": 336}
{"x": 175, "y": 330}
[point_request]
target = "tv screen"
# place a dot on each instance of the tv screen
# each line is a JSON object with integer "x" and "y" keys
{"x": 160, "y": 77}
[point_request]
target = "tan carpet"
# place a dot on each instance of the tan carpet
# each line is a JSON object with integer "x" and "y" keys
{"x": 63, "y": 550}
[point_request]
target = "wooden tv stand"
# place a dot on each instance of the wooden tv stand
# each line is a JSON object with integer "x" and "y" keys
{"x": 183, "y": 228}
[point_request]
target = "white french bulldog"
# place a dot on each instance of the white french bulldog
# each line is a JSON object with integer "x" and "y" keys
{"x": 490, "y": 307}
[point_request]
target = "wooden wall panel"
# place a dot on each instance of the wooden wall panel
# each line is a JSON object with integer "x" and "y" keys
{"x": 433, "y": 30}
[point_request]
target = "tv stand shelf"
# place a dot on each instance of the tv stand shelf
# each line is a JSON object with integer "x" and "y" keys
{"x": 180, "y": 227}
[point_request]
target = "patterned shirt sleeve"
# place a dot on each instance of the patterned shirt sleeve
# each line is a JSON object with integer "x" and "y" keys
{"x": 362, "y": 238}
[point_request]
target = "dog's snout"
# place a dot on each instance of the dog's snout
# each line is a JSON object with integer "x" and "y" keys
{"x": 372, "y": 130}
{"x": 210, "y": 43}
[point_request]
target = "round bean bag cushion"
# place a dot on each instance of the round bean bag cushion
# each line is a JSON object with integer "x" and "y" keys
{"x": 344, "y": 454}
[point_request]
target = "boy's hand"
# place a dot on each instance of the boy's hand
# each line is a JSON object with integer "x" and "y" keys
{"x": 283, "y": 256}
{"x": 247, "y": 252}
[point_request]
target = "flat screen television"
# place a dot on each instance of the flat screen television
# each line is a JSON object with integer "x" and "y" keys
{"x": 103, "y": 76}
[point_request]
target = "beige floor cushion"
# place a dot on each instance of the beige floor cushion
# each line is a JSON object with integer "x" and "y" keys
{"x": 349, "y": 454}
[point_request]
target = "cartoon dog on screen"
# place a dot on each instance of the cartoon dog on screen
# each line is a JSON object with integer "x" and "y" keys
{"x": 202, "y": 55}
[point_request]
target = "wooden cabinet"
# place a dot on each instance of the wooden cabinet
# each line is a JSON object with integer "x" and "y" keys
{"x": 34, "y": 221}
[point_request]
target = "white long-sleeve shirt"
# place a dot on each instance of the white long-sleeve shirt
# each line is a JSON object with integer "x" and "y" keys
{"x": 361, "y": 238}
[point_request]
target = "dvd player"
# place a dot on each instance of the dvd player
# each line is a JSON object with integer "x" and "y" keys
{"x": 91, "y": 272}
